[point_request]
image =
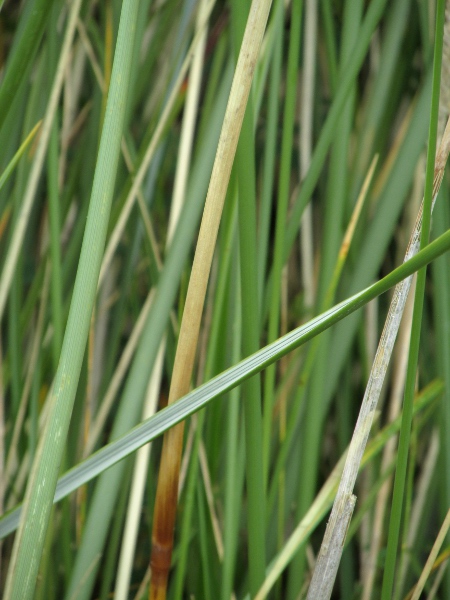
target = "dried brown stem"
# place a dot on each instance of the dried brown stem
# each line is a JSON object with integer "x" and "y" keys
{"x": 371, "y": 396}
{"x": 166, "y": 495}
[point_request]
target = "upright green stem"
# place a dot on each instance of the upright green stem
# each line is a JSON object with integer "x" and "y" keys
{"x": 29, "y": 542}
{"x": 281, "y": 218}
{"x": 405, "y": 431}
{"x": 333, "y": 228}
{"x": 251, "y": 390}
{"x": 23, "y": 51}
{"x": 270, "y": 150}
{"x": 54, "y": 210}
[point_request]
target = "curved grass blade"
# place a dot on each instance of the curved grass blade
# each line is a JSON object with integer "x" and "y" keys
{"x": 198, "y": 398}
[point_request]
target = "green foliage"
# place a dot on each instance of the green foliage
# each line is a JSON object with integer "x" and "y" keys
{"x": 77, "y": 356}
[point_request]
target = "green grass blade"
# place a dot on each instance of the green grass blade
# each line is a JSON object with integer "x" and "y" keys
{"x": 197, "y": 399}
{"x": 251, "y": 392}
{"x": 29, "y": 542}
{"x": 281, "y": 219}
{"x": 373, "y": 248}
{"x": 334, "y": 218}
{"x": 327, "y": 134}
{"x": 23, "y": 52}
{"x": 364, "y": 74}
{"x": 405, "y": 431}
{"x": 129, "y": 411}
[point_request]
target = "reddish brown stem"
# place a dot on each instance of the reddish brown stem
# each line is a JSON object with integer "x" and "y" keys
{"x": 164, "y": 515}
{"x": 167, "y": 490}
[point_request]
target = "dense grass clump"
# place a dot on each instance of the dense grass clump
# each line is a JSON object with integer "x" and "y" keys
{"x": 203, "y": 209}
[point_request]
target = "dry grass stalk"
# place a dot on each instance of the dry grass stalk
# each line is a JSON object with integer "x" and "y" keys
{"x": 437, "y": 580}
{"x": 35, "y": 173}
{"x": 151, "y": 149}
{"x": 431, "y": 559}
{"x": 373, "y": 390}
{"x": 303, "y": 530}
{"x": 310, "y": 519}
{"x": 420, "y": 500}
{"x": 331, "y": 549}
{"x": 153, "y": 390}
{"x": 166, "y": 496}
{"x": 400, "y": 359}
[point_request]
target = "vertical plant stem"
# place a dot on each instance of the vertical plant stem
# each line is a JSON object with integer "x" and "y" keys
{"x": 166, "y": 497}
{"x": 22, "y": 53}
{"x": 281, "y": 218}
{"x": 334, "y": 215}
{"x": 30, "y": 539}
{"x": 306, "y": 142}
{"x": 251, "y": 389}
{"x": 54, "y": 217}
{"x": 33, "y": 180}
{"x": 327, "y": 134}
{"x": 405, "y": 431}
{"x": 234, "y": 468}
{"x": 311, "y": 356}
{"x": 178, "y": 197}
{"x": 441, "y": 300}
{"x": 270, "y": 150}
{"x": 54, "y": 209}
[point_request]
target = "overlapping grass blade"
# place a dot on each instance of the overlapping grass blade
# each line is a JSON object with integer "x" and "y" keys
{"x": 430, "y": 194}
{"x": 370, "y": 96}
{"x": 197, "y": 399}
{"x": 29, "y": 542}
